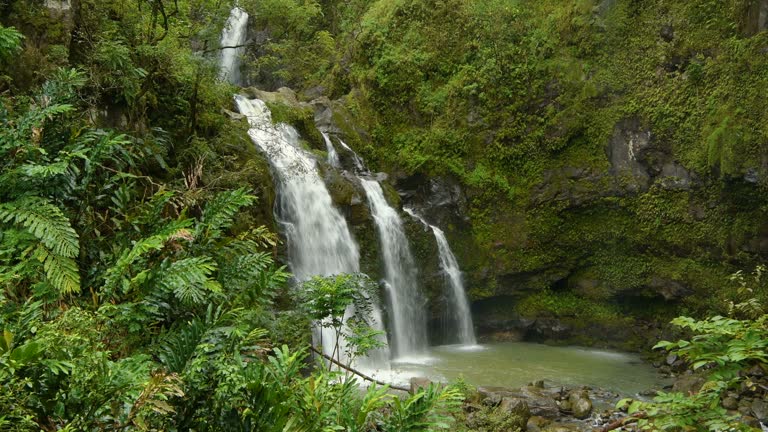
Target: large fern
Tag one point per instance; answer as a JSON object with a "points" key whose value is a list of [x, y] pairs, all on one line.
{"points": [[179, 348], [120, 276], [10, 41], [60, 271], [59, 243], [45, 221], [220, 211], [189, 279]]}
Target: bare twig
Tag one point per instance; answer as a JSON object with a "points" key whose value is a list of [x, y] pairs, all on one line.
{"points": [[226, 47], [622, 422], [357, 372]]}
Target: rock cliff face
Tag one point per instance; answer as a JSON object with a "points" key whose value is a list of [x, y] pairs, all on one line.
{"points": [[592, 253]]}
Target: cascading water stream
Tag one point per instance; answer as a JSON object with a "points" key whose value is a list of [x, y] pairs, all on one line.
{"points": [[358, 161], [318, 238], [333, 156], [406, 304], [458, 311], [233, 35]]}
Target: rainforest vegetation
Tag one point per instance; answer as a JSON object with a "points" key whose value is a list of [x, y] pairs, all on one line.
{"points": [[612, 157]]}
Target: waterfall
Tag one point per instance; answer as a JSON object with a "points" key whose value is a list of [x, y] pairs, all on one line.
{"points": [[458, 311], [357, 159], [233, 34], [318, 238], [407, 317], [333, 157]]}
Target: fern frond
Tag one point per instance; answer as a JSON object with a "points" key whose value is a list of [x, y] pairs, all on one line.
{"points": [[59, 242], [117, 275], [10, 41], [61, 271], [45, 171], [220, 211], [180, 347], [239, 269], [189, 279], [45, 221]]}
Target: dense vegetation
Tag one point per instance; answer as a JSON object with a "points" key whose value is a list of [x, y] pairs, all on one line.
{"points": [[138, 293], [530, 106], [140, 285]]}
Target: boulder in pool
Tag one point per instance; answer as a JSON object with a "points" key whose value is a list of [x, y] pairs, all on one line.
{"points": [[492, 396], [540, 402], [580, 403], [517, 407]]}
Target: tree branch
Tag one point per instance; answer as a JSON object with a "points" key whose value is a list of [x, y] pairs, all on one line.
{"points": [[623, 422], [226, 47], [356, 372]]}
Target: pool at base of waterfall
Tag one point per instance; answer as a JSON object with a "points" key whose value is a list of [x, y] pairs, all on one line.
{"points": [[515, 364]]}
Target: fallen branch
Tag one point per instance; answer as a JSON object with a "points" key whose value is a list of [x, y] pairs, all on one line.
{"points": [[623, 422], [356, 372]]}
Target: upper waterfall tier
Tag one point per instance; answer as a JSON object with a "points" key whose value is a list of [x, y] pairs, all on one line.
{"points": [[318, 238], [233, 35]]}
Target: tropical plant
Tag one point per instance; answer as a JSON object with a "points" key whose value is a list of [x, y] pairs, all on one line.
{"points": [[720, 348], [345, 304]]}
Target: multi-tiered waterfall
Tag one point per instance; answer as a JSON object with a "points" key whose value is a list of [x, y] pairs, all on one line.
{"points": [[459, 315], [232, 41], [407, 309], [318, 238]]}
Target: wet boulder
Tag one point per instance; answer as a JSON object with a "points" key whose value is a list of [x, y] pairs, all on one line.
{"points": [[580, 403], [541, 402], [517, 407]]}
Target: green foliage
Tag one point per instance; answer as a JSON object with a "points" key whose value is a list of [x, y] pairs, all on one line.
{"points": [[727, 343], [492, 419], [10, 39], [300, 51], [58, 240], [343, 303], [566, 304], [721, 348], [137, 290], [425, 410]]}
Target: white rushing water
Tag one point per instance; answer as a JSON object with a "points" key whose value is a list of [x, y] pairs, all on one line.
{"points": [[318, 238], [333, 156], [461, 316], [233, 35], [458, 312], [407, 318], [358, 161]]}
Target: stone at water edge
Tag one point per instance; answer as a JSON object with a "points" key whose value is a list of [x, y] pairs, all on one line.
{"points": [[689, 384], [557, 427], [517, 407], [492, 396], [581, 404], [760, 410], [730, 403], [418, 383], [537, 423], [540, 402]]}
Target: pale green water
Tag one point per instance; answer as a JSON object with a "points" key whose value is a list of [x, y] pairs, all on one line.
{"points": [[515, 364]]}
